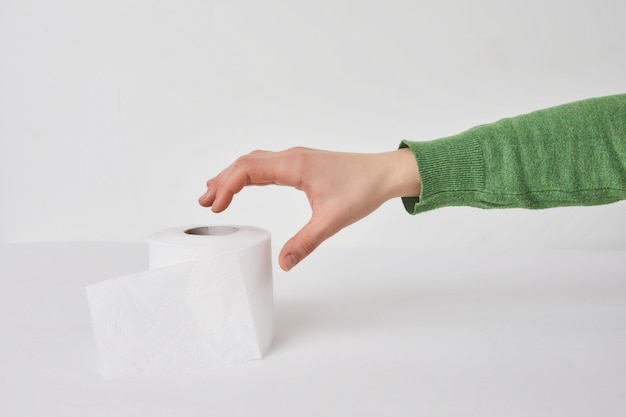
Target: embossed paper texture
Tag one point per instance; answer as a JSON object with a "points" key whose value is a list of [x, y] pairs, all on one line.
{"points": [[184, 316]]}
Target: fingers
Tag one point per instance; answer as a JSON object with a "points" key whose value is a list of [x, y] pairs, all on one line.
{"points": [[206, 199], [221, 189], [303, 243], [256, 168]]}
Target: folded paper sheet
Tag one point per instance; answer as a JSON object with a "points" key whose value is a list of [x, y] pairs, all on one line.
{"points": [[206, 300]]}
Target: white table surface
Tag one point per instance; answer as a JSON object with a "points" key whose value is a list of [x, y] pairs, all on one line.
{"points": [[358, 332]]}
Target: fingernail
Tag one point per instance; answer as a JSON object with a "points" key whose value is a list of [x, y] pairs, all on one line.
{"points": [[290, 261]]}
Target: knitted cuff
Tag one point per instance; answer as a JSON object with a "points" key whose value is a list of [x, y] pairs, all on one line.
{"points": [[452, 172]]}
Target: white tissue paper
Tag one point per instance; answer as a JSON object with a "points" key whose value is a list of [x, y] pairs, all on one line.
{"points": [[206, 300]]}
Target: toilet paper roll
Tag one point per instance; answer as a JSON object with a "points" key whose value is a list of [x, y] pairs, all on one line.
{"points": [[206, 300]]}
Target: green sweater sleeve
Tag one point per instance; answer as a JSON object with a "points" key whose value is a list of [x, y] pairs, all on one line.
{"points": [[574, 154]]}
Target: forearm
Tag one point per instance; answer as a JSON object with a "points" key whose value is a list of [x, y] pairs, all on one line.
{"points": [[573, 154]]}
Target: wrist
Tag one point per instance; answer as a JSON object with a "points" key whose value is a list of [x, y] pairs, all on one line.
{"points": [[405, 176]]}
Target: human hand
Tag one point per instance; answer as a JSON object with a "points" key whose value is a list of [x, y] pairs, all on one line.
{"points": [[341, 188]]}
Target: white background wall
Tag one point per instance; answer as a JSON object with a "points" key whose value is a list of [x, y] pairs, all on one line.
{"points": [[113, 114]]}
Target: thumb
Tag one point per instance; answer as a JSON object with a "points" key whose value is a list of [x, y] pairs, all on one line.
{"points": [[303, 243]]}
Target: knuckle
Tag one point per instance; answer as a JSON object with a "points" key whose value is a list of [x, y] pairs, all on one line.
{"points": [[298, 156], [307, 245], [242, 162], [297, 150]]}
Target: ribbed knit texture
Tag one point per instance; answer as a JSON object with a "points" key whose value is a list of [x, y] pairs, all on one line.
{"points": [[574, 154]]}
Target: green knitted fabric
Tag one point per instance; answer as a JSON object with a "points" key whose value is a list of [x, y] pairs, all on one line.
{"points": [[574, 154]]}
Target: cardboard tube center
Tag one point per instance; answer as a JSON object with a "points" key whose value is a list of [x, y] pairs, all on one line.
{"points": [[212, 230]]}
